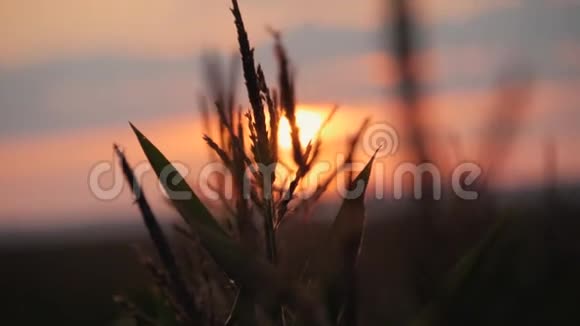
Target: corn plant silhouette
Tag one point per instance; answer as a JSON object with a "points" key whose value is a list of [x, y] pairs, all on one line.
{"points": [[242, 282], [232, 244]]}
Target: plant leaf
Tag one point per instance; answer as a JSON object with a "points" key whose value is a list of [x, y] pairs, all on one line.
{"points": [[183, 198], [339, 254], [258, 276], [178, 285], [253, 274]]}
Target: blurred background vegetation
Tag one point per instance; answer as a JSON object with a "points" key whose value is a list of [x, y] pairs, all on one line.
{"points": [[510, 257]]}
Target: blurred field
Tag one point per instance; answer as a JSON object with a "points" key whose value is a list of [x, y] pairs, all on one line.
{"points": [[68, 282], [531, 279]]}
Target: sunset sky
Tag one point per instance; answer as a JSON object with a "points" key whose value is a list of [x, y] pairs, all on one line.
{"points": [[72, 73]]}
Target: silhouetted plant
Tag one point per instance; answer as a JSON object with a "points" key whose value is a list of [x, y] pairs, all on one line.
{"points": [[231, 274]]}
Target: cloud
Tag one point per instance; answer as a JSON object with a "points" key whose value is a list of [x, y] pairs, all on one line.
{"points": [[470, 51], [46, 29], [54, 169], [441, 11], [86, 92], [529, 26], [308, 44], [82, 91], [333, 62]]}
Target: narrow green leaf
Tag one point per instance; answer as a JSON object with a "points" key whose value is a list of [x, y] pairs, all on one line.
{"points": [[340, 253], [184, 199], [178, 285]]}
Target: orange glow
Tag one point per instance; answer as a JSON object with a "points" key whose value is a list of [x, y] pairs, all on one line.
{"points": [[309, 123]]}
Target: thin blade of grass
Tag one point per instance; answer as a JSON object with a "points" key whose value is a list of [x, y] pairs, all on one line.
{"points": [[339, 254], [182, 196], [179, 288]]}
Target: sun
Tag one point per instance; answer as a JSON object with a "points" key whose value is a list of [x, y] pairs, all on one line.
{"points": [[307, 120]]}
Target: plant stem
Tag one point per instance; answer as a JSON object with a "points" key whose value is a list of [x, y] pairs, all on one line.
{"points": [[271, 250], [182, 295]]}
